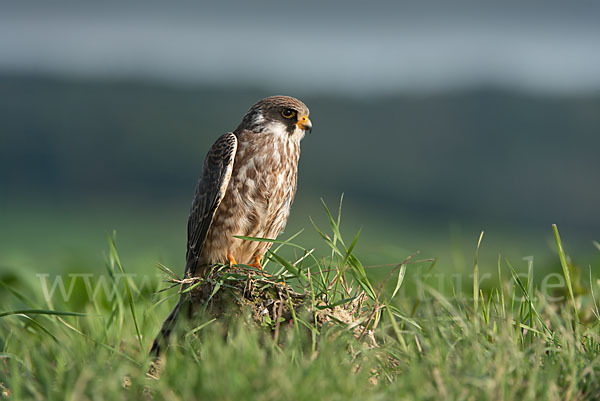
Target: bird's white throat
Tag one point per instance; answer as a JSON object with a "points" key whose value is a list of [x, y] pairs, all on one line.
{"points": [[280, 130]]}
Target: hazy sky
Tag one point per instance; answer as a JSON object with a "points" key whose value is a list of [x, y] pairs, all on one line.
{"points": [[355, 46]]}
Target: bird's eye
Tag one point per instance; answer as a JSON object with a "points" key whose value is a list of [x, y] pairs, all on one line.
{"points": [[288, 113]]}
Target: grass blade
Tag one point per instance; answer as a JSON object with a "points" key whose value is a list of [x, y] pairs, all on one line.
{"points": [[595, 309], [476, 274], [115, 257], [401, 274], [565, 267], [532, 307], [288, 266], [334, 226], [40, 312]]}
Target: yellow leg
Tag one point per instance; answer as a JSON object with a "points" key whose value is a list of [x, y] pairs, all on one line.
{"points": [[256, 263], [232, 261]]}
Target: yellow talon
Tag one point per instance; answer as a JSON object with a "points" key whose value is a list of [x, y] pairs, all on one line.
{"points": [[256, 263], [232, 261]]}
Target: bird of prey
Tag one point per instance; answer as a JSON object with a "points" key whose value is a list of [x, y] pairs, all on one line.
{"points": [[247, 186]]}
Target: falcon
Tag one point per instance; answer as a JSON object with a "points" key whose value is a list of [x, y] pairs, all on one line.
{"points": [[247, 187]]}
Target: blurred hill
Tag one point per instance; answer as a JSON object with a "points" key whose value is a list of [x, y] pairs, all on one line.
{"points": [[474, 154]]}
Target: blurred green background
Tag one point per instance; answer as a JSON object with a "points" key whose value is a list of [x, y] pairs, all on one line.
{"points": [[107, 111]]}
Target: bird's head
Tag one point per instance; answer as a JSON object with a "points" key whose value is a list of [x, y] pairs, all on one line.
{"points": [[278, 115]]}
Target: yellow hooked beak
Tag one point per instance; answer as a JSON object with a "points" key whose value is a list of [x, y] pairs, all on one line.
{"points": [[304, 123]]}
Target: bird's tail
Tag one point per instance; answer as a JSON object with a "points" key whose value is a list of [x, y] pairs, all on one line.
{"points": [[162, 338]]}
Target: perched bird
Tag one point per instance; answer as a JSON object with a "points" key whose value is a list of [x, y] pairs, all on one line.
{"points": [[247, 186]]}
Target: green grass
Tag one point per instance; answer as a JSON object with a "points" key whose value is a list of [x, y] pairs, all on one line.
{"points": [[510, 341]]}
